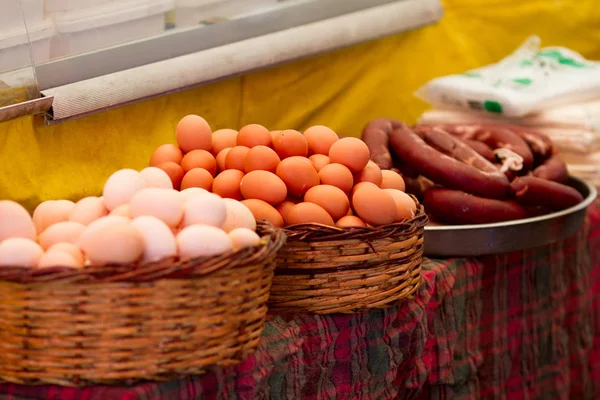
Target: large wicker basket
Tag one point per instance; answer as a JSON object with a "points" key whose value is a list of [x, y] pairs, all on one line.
{"points": [[326, 270], [123, 324]]}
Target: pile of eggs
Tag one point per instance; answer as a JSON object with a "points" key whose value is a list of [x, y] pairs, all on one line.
{"points": [[286, 177], [139, 218]]}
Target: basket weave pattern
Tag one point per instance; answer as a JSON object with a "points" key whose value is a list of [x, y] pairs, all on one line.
{"points": [[326, 270], [124, 324]]}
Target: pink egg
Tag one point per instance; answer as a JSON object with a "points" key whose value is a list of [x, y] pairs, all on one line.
{"points": [[117, 243], [63, 232], [59, 259], [159, 240], [123, 211], [69, 248], [15, 221], [121, 187], [51, 212], [163, 204], [20, 252], [95, 226], [156, 178], [87, 210]]}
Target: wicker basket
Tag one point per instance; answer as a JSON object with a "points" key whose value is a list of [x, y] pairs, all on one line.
{"points": [[325, 270], [123, 324]]}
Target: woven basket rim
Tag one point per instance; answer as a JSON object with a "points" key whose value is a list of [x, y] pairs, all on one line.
{"points": [[271, 241]]}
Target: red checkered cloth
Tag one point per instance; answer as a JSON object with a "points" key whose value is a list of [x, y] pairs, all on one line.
{"points": [[515, 326]]}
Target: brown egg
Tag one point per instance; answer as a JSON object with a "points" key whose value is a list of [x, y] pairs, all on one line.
{"points": [[193, 133], [235, 157], [331, 198], [337, 175], [370, 173], [261, 158], [174, 171], [199, 159], [220, 159], [350, 221], [405, 205], [320, 139], [299, 175], [227, 184], [254, 135], [197, 178], [305, 213], [222, 139], [273, 134], [262, 210], [62, 232], [290, 143], [392, 180], [164, 153], [284, 209], [88, 209], [360, 185], [263, 185], [374, 206], [319, 161], [351, 152]]}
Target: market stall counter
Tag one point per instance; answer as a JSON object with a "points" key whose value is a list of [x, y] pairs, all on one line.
{"points": [[518, 325]]}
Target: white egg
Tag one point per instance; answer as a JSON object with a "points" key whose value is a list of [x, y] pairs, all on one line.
{"points": [[237, 216], [202, 241], [121, 187], [15, 221], [204, 210], [159, 240], [87, 210], [163, 204], [156, 178], [20, 252], [190, 193], [243, 237]]}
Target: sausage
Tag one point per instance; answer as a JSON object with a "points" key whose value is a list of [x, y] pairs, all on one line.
{"points": [[533, 191], [457, 207], [540, 144], [376, 136], [554, 170], [505, 138], [483, 149], [480, 177]]}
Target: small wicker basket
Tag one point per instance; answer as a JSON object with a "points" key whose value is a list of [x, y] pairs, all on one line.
{"points": [[326, 270], [120, 324]]}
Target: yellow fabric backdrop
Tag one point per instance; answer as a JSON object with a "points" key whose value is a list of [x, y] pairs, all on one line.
{"points": [[343, 90]]}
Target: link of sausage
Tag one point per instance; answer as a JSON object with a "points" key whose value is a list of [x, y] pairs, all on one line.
{"points": [[457, 207], [533, 191], [447, 171], [554, 169], [376, 136]]}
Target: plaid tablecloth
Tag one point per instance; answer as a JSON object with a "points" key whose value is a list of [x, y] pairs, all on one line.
{"points": [[514, 326]]}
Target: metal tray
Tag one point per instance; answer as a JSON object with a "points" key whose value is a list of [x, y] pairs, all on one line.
{"points": [[505, 237]]}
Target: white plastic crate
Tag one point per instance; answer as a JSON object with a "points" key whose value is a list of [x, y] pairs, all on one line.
{"points": [[84, 30]]}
